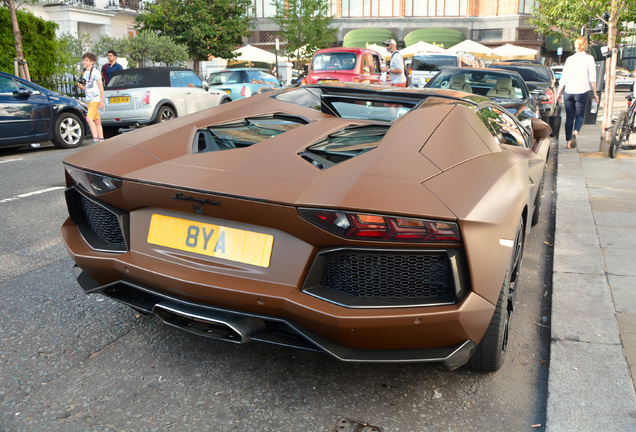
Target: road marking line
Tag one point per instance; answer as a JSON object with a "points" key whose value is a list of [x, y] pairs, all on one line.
{"points": [[10, 160], [26, 195]]}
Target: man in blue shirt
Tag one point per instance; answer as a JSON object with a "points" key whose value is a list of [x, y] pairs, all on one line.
{"points": [[110, 67]]}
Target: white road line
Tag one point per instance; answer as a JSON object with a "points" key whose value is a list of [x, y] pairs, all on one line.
{"points": [[26, 195], [10, 160]]}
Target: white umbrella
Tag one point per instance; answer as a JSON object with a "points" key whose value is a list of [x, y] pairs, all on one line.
{"points": [[250, 53], [380, 50], [509, 50], [469, 46], [420, 46]]}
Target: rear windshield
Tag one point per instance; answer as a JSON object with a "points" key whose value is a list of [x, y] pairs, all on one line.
{"points": [[334, 61], [530, 74], [226, 77], [427, 62]]}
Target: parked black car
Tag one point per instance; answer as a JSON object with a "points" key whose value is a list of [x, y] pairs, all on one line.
{"points": [[542, 82], [30, 113], [507, 88]]}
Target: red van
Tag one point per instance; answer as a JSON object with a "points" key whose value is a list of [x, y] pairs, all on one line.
{"points": [[359, 65]]}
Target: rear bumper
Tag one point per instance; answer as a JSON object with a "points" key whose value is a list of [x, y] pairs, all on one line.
{"points": [[242, 327]]}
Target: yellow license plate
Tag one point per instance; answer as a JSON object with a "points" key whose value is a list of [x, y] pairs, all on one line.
{"points": [[119, 99], [328, 80], [212, 240], [228, 91]]}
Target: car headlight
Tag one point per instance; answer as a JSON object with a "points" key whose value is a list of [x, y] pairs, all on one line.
{"points": [[362, 226], [92, 183]]}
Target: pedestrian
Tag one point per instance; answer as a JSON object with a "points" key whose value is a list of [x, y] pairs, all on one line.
{"points": [[577, 79], [91, 83], [396, 65], [110, 67]]}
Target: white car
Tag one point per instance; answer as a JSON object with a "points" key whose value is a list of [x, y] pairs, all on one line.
{"points": [[624, 80], [142, 96]]}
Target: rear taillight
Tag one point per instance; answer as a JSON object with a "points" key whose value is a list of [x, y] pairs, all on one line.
{"points": [[245, 91], [146, 98], [362, 226], [550, 97]]}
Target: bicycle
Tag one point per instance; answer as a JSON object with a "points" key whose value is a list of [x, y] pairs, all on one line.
{"points": [[623, 128]]}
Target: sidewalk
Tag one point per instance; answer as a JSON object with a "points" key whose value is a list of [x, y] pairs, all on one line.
{"points": [[593, 349]]}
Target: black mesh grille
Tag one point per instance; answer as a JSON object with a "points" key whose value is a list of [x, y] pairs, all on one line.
{"points": [[428, 277], [103, 222]]}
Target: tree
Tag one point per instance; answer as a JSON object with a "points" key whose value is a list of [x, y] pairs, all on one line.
{"points": [[148, 46], [567, 17], [206, 28], [304, 23], [37, 44]]}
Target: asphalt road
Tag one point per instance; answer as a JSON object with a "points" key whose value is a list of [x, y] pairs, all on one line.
{"points": [[72, 362]]}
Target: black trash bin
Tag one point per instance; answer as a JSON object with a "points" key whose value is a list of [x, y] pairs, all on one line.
{"points": [[590, 117]]}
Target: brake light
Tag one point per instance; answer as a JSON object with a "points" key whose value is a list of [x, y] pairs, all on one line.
{"points": [[362, 226], [245, 91], [303, 81], [550, 94], [146, 98]]}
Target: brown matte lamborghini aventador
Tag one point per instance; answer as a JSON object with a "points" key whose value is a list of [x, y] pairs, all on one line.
{"points": [[372, 223]]}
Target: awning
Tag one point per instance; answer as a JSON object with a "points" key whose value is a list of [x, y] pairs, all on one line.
{"points": [[360, 38], [436, 36], [554, 42]]}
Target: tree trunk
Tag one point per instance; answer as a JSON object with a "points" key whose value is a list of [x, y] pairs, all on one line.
{"points": [[610, 78], [21, 68]]}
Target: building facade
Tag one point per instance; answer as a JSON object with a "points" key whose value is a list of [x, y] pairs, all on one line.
{"points": [[490, 22]]}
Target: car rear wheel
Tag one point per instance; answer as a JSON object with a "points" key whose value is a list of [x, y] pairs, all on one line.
{"points": [[69, 131], [165, 113], [491, 351]]}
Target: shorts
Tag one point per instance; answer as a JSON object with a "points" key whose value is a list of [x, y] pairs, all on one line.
{"points": [[93, 110]]}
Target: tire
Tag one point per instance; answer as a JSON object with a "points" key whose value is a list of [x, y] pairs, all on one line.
{"points": [[165, 113], [491, 351], [618, 134], [69, 131], [555, 125], [536, 213], [110, 132]]}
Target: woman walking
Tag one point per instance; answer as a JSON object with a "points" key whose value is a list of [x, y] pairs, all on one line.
{"points": [[577, 79]]}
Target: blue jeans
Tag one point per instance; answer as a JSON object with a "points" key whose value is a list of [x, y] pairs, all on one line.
{"points": [[574, 112]]}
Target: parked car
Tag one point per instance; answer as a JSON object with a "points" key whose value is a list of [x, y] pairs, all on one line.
{"points": [[557, 70], [542, 82], [357, 65], [375, 224], [505, 87], [30, 113], [240, 83], [426, 64], [624, 80], [142, 96]]}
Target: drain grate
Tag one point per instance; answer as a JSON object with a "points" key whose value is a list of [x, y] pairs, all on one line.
{"points": [[348, 425]]}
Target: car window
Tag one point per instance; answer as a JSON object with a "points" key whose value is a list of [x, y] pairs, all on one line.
{"points": [[184, 79], [504, 128], [7, 85], [429, 62], [481, 82], [254, 77], [334, 61], [269, 79]]}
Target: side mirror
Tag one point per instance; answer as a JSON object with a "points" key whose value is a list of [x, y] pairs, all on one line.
{"points": [[540, 129], [23, 93], [205, 85]]}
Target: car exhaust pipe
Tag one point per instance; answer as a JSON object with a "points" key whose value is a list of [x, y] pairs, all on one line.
{"points": [[215, 325]]}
